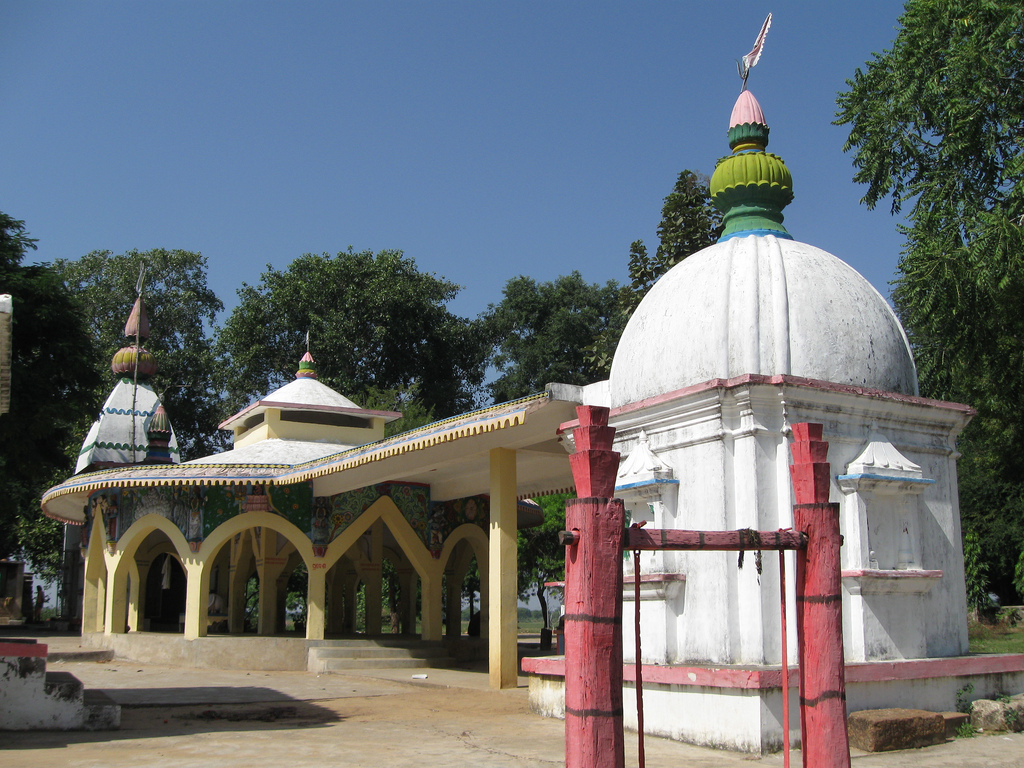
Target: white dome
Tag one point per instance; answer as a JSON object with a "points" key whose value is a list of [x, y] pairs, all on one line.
{"points": [[761, 305]]}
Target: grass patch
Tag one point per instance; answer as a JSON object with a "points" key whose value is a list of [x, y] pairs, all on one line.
{"points": [[1001, 636]]}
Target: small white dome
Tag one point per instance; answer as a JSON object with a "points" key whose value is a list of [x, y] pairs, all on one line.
{"points": [[761, 305]]}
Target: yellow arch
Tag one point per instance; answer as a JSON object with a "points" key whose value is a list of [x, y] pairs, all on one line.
{"points": [[477, 539], [385, 509], [226, 530], [145, 525]]}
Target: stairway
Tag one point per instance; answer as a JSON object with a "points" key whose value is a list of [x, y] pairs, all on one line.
{"points": [[33, 699], [364, 654]]}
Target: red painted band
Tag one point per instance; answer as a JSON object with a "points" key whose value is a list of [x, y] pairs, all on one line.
{"points": [[822, 698], [593, 619], [584, 713]]}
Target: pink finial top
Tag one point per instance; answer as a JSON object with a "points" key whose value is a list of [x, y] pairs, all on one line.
{"points": [[746, 110], [138, 321]]}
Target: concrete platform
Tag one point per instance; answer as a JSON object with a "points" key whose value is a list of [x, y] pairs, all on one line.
{"points": [[174, 716]]}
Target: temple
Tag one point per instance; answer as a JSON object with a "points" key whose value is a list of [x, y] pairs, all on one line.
{"points": [[178, 549], [727, 351]]}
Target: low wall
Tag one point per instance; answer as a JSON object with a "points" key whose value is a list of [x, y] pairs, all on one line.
{"points": [[740, 708], [269, 654]]}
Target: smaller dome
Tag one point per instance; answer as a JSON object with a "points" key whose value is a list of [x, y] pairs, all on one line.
{"points": [[127, 358]]}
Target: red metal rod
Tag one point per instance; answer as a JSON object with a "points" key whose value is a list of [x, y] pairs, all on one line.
{"points": [[641, 760], [785, 662], [715, 541]]}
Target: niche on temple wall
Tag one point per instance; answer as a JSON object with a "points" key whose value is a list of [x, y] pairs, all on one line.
{"points": [[884, 573], [882, 522], [648, 488]]}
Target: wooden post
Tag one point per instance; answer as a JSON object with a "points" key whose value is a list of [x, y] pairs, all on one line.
{"points": [[819, 608], [593, 600]]}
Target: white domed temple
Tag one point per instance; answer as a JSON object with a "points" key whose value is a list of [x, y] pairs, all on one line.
{"points": [[727, 351]]}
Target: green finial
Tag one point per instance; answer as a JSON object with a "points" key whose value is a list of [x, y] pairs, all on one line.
{"points": [[751, 187]]}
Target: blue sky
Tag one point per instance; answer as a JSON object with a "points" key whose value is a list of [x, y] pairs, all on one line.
{"points": [[485, 140]]}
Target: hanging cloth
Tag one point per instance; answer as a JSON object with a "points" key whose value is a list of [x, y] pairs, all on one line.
{"points": [[165, 573]]}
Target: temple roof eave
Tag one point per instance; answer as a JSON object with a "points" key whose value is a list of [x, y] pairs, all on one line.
{"points": [[66, 501]]}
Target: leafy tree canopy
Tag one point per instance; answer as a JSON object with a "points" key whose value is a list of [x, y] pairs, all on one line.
{"points": [[541, 556], [541, 332], [52, 386], [375, 323], [182, 311], [935, 125]]}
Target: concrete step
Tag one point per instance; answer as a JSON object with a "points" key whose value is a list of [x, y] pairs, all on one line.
{"points": [[335, 656], [102, 713], [63, 685], [370, 652], [341, 665]]}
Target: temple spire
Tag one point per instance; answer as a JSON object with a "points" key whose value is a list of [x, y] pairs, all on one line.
{"points": [[751, 187]]}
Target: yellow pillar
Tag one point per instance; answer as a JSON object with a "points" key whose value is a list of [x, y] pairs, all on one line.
{"points": [[430, 623], [373, 576], [133, 595], [503, 635], [197, 595], [94, 589], [116, 603], [316, 600]]}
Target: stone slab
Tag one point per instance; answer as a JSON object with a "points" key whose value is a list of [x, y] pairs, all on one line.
{"points": [[953, 722], [882, 730]]}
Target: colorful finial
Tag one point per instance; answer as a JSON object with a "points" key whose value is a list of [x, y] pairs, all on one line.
{"points": [[307, 367], [751, 187], [159, 434], [747, 62], [138, 321]]}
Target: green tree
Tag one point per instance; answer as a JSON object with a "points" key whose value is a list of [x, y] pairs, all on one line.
{"points": [[935, 125], [541, 556], [541, 332], [182, 311], [52, 383], [375, 323], [689, 223]]}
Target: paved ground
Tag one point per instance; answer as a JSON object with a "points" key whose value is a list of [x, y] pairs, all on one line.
{"points": [[382, 719]]}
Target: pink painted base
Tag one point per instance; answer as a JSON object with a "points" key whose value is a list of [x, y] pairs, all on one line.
{"points": [[762, 678]]}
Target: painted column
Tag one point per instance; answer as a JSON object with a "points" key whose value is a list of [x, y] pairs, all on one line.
{"points": [[373, 575], [593, 600], [116, 603], [137, 598], [819, 607], [503, 619], [93, 590], [430, 626], [196, 598], [236, 599], [316, 600], [453, 605]]}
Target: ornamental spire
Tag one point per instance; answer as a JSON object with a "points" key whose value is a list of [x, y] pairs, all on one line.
{"points": [[751, 187], [134, 361], [307, 367]]}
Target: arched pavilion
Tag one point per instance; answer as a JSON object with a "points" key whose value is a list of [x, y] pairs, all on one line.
{"points": [[310, 481]]}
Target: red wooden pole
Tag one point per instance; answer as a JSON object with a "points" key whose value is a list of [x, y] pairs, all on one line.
{"points": [[819, 609], [593, 601]]}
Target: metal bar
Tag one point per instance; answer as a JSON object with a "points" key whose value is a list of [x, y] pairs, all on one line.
{"points": [[720, 541]]}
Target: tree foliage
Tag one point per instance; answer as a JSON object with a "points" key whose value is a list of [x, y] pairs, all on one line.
{"points": [[375, 323], [689, 223], [182, 311], [935, 125], [52, 383], [541, 556], [541, 332]]}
